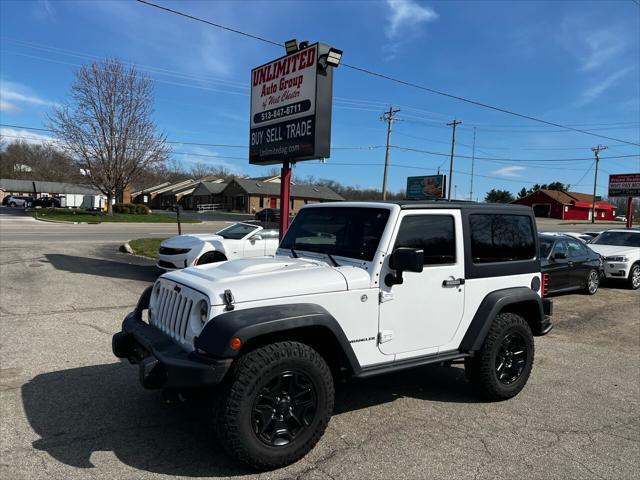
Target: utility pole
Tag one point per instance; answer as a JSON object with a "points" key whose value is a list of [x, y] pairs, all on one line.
{"points": [[596, 151], [453, 124], [389, 118], [473, 159]]}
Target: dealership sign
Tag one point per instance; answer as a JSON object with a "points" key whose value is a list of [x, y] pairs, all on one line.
{"points": [[426, 187], [624, 185], [291, 108]]}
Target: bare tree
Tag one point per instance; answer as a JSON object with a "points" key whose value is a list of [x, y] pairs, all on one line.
{"points": [[107, 127]]}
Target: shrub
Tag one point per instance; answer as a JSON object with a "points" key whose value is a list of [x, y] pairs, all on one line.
{"points": [[130, 208], [142, 209]]}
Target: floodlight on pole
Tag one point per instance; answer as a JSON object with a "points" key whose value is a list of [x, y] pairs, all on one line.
{"points": [[291, 46], [333, 57]]}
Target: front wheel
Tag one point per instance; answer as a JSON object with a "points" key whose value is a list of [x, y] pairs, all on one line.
{"points": [[276, 406], [634, 277], [12, 204], [593, 282], [500, 369]]}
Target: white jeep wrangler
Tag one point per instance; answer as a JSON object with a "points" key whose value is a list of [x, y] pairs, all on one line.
{"points": [[354, 290]]}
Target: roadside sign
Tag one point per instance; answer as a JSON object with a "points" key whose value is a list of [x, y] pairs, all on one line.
{"points": [[291, 108], [426, 187], [624, 185]]}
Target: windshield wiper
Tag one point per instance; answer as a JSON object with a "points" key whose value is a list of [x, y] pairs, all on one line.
{"points": [[293, 252], [333, 260]]}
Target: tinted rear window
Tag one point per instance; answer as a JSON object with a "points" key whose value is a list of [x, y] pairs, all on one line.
{"points": [[501, 238]]}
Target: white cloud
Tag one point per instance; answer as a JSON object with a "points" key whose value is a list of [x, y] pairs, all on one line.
{"points": [[10, 135], [405, 14], [512, 171], [594, 46], [43, 10], [594, 91], [12, 93]]}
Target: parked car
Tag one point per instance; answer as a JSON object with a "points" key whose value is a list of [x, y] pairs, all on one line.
{"points": [[355, 290], [47, 202], [583, 237], [19, 201], [621, 218], [621, 252], [568, 264], [236, 241], [268, 215]]}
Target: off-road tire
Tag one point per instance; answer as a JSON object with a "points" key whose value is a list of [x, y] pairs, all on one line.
{"points": [[210, 257], [233, 422], [481, 369], [635, 270], [589, 288]]}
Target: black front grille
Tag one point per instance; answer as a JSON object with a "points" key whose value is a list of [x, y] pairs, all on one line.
{"points": [[173, 251], [164, 263]]}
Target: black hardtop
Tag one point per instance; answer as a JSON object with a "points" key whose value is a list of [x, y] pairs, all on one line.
{"points": [[462, 205]]}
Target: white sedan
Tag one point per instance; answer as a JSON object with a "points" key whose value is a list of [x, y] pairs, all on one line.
{"points": [[236, 241]]}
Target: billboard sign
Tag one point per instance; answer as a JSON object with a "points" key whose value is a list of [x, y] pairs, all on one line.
{"points": [[426, 187], [624, 185], [291, 108]]}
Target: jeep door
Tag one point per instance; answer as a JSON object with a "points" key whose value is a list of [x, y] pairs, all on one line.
{"points": [[425, 310]]}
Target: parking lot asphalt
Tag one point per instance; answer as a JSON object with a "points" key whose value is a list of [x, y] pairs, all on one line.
{"points": [[69, 410]]}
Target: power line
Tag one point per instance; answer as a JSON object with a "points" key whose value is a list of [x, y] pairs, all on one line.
{"points": [[392, 79], [362, 147]]}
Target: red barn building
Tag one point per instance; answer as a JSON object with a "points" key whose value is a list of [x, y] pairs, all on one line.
{"points": [[566, 205]]}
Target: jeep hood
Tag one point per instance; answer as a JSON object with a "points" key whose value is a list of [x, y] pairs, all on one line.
{"points": [[263, 278], [190, 241]]}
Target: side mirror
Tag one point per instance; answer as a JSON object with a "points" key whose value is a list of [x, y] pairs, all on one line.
{"points": [[559, 256], [256, 237], [404, 259]]}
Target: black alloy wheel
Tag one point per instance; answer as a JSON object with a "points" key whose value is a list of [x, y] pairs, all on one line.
{"points": [[593, 282], [511, 358], [285, 407]]}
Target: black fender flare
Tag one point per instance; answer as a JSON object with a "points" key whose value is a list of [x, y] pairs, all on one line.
{"points": [[251, 323], [491, 305]]}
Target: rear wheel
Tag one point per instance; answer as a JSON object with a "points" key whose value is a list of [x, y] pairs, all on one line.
{"points": [[634, 277], [502, 366], [276, 405], [593, 282]]}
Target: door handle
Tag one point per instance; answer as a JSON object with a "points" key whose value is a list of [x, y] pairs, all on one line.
{"points": [[453, 283]]}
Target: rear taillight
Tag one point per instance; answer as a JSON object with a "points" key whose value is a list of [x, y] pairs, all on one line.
{"points": [[545, 284]]}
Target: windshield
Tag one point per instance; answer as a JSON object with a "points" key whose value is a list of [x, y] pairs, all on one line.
{"points": [[237, 231], [619, 239], [545, 247], [352, 232]]}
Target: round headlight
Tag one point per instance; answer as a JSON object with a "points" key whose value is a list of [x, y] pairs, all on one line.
{"points": [[203, 311]]}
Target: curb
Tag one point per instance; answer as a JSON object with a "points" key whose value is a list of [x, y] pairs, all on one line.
{"points": [[126, 248], [65, 222]]}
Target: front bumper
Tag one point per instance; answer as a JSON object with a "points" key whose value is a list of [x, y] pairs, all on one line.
{"points": [[616, 269], [174, 262], [161, 362]]}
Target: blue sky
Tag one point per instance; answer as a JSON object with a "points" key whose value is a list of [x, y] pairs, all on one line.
{"points": [[573, 62]]}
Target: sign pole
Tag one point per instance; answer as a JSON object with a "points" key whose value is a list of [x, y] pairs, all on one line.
{"points": [[285, 183], [629, 212]]}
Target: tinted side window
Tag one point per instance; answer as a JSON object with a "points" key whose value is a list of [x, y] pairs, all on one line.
{"points": [[501, 238], [435, 234], [576, 249], [560, 247]]}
